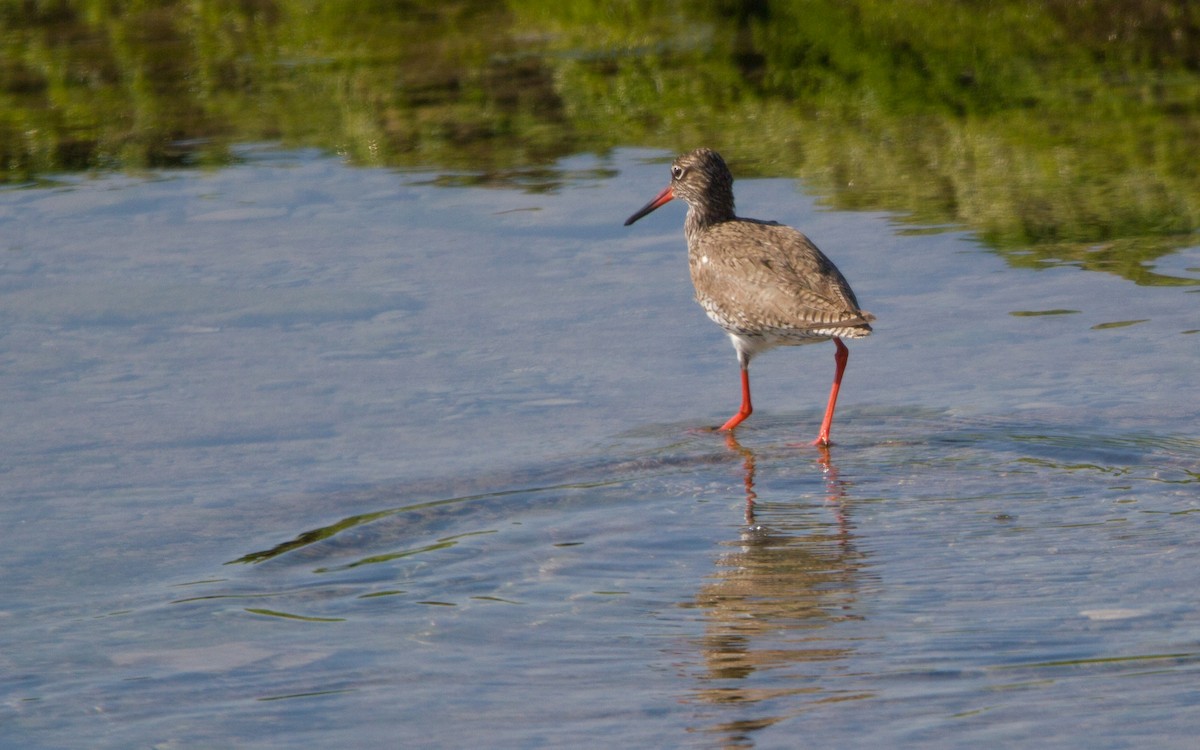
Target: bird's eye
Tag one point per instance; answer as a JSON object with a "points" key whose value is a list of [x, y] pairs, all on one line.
{"points": [[677, 172]]}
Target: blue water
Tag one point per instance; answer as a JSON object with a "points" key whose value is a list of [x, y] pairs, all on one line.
{"points": [[298, 454]]}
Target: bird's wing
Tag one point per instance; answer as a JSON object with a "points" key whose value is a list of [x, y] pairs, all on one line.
{"points": [[774, 274]]}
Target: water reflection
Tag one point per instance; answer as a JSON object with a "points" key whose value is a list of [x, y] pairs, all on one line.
{"points": [[1074, 161], [791, 573]]}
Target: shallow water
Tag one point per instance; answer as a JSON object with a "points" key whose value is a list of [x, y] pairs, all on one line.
{"points": [[304, 454]]}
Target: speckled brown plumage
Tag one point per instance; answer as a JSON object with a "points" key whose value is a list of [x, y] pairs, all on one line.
{"points": [[766, 284]]}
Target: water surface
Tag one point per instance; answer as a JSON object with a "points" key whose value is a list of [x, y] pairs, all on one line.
{"points": [[298, 453]]}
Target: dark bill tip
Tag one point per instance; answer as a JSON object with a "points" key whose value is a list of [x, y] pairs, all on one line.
{"points": [[658, 200]]}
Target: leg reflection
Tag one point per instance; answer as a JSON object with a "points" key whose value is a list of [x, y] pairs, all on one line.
{"points": [[748, 469]]}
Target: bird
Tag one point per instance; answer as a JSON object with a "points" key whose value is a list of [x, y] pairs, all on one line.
{"points": [[765, 283]]}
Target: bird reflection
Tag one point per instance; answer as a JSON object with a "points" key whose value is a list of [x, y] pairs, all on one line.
{"points": [[768, 605]]}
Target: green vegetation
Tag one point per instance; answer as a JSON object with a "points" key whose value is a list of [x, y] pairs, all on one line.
{"points": [[1060, 132]]}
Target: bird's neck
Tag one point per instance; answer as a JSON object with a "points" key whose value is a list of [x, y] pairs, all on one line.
{"points": [[701, 217]]}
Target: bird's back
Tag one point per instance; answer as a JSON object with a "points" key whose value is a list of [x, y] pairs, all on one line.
{"points": [[766, 279]]}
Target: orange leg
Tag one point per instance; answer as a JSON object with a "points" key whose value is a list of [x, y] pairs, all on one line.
{"points": [[839, 357], [746, 409]]}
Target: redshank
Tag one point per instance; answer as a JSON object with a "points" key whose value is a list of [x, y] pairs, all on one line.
{"points": [[765, 283]]}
